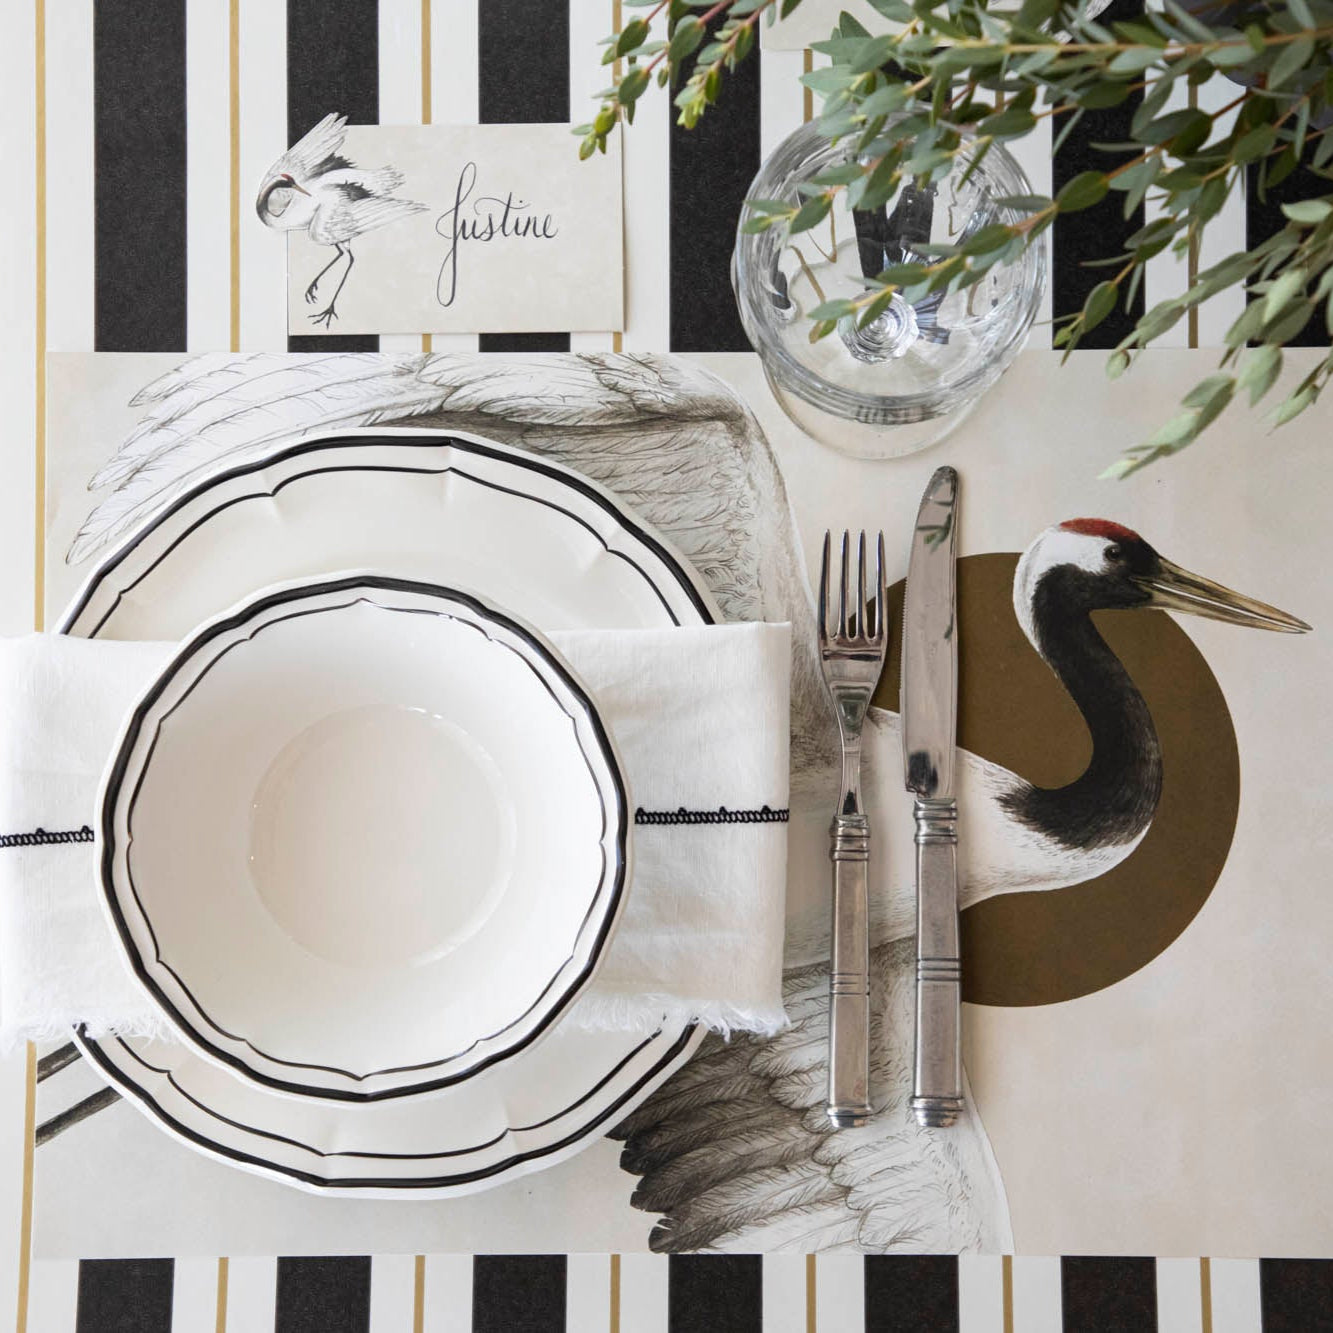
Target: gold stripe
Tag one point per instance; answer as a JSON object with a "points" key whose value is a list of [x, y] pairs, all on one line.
{"points": [[426, 71], [220, 1317], [811, 1319], [1205, 1293], [29, 1130], [613, 1315], [617, 18], [234, 122], [39, 552], [807, 96], [1191, 274], [1007, 1291], [419, 1263]]}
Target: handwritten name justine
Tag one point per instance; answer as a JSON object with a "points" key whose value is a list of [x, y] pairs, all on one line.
{"points": [[488, 218]]}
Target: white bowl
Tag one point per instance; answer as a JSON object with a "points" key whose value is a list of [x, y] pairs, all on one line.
{"points": [[363, 837]]}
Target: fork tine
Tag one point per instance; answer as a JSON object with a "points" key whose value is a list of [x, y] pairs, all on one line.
{"points": [[823, 590], [844, 589], [862, 627], [881, 594]]}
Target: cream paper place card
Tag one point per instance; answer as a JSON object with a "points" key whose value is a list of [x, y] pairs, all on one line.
{"points": [[447, 229]]}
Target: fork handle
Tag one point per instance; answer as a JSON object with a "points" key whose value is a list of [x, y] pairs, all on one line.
{"points": [[849, 983]]}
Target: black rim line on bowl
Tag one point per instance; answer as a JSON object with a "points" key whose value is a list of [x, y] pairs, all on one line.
{"points": [[121, 764], [115, 1076], [560, 475]]}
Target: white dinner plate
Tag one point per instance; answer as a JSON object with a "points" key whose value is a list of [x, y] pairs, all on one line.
{"points": [[363, 836], [549, 545]]}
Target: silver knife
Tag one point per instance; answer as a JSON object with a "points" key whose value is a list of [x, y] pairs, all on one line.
{"points": [[929, 727]]}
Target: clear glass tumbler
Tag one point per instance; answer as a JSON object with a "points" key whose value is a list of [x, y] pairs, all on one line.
{"points": [[908, 379]]}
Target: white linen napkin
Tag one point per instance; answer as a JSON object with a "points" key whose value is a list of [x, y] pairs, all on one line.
{"points": [[700, 716]]}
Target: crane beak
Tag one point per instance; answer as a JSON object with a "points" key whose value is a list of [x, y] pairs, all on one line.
{"points": [[300, 189], [1174, 589]]}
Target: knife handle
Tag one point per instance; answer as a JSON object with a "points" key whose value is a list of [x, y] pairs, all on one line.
{"points": [[937, 1092], [849, 983]]}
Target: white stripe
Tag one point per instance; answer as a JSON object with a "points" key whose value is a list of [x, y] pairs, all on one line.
{"points": [[263, 140], [207, 175], [781, 97], [643, 1293], [400, 62], [1235, 1290], [252, 1293], [1037, 1304], [589, 22], [53, 1296], [1033, 153], [1165, 275], [18, 386], [1225, 234], [69, 177], [447, 1307], [194, 1296], [588, 1293], [455, 99], [840, 1293], [392, 1277], [647, 147], [980, 1294], [1179, 1307], [784, 1293], [400, 97]]}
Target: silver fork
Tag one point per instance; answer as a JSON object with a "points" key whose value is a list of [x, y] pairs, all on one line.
{"points": [[851, 655]]}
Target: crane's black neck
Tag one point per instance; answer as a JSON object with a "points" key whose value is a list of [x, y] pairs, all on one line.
{"points": [[1114, 800]]}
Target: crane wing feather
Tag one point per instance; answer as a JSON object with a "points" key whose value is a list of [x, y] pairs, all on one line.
{"points": [[306, 156], [728, 1167]]}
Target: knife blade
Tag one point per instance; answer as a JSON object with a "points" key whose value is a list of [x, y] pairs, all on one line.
{"points": [[929, 730]]}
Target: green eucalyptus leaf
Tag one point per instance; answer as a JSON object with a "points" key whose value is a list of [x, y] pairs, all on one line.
{"points": [[685, 40], [1101, 301], [1291, 58], [632, 85], [810, 214], [1260, 370], [1294, 406], [1085, 190], [632, 36], [1308, 212], [1291, 284]]}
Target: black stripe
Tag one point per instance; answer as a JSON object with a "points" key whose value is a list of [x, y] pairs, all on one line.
{"points": [[712, 166], [1296, 1295], [1263, 218], [1097, 232], [332, 65], [715, 1293], [911, 1293], [139, 175], [323, 1296], [518, 1293], [125, 1296], [1109, 1294], [523, 79]]}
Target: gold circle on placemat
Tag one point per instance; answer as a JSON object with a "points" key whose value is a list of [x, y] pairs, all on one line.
{"points": [[1041, 948]]}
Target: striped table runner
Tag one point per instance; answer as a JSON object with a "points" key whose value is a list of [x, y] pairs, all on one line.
{"points": [[136, 133], [681, 1294]]}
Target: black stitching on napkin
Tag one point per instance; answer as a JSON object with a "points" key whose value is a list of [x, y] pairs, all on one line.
{"points": [[41, 838], [764, 815]]}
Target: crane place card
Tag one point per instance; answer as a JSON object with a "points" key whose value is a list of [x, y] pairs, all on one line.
{"points": [[447, 229]]}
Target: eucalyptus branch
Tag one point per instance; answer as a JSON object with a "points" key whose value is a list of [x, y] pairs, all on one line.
{"points": [[948, 79]]}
